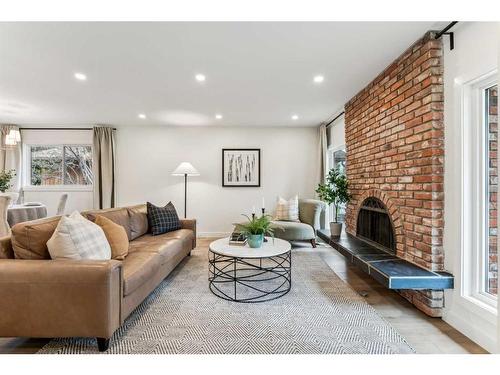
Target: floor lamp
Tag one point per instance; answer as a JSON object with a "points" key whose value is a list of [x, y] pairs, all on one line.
{"points": [[185, 169]]}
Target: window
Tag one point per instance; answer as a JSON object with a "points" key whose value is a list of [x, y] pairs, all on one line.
{"points": [[55, 165], [480, 191], [491, 185], [337, 159]]}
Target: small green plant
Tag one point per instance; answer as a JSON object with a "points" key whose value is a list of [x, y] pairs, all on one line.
{"points": [[257, 225], [335, 190], [5, 179]]}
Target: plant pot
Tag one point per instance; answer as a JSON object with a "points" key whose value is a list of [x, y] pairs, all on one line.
{"points": [[14, 196], [335, 229], [255, 240]]}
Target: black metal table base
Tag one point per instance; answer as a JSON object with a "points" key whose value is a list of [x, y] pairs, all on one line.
{"points": [[249, 280]]}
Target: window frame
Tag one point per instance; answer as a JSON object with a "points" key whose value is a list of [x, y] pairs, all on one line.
{"points": [[27, 186], [330, 152], [475, 226]]}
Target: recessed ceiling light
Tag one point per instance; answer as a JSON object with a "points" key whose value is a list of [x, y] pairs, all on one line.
{"points": [[200, 77], [218, 116], [318, 79], [80, 76], [141, 116], [295, 117]]}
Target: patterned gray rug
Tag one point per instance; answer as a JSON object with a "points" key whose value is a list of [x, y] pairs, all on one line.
{"points": [[321, 314]]}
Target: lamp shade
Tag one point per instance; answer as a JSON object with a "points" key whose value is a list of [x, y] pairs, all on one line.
{"points": [[185, 168]]}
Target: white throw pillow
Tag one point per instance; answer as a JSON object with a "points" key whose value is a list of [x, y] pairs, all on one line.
{"points": [[287, 210], [78, 238]]}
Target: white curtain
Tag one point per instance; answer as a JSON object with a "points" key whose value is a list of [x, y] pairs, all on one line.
{"points": [[104, 167], [11, 156]]}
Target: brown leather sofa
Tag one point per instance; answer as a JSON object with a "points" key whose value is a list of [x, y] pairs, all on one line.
{"points": [[40, 297]]}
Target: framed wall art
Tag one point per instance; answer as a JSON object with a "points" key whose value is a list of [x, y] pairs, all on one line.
{"points": [[241, 167]]}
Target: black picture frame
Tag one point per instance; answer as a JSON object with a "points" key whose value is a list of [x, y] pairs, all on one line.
{"points": [[226, 182]]}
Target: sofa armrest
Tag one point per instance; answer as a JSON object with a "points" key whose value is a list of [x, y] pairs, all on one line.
{"points": [[312, 212], [189, 224], [60, 298]]}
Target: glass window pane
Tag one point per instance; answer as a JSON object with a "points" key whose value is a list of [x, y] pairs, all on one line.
{"points": [[339, 159], [78, 165], [491, 117], [46, 165]]}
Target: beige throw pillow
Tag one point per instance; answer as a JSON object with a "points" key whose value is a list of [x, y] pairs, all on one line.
{"points": [[287, 210], [78, 238], [116, 236]]}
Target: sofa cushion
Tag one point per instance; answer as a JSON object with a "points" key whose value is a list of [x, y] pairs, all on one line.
{"points": [[293, 231], [162, 219], [29, 239], [138, 216], [116, 236], [78, 238], [138, 268], [117, 215], [166, 248]]}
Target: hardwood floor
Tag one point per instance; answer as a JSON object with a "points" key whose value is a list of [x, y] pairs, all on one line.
{"points": [[425, 334]]}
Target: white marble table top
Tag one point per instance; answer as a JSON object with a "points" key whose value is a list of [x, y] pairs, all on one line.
{"points": [[271, 248]]}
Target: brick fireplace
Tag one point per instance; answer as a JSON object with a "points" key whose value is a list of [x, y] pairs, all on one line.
{"points": [[395, 155]]}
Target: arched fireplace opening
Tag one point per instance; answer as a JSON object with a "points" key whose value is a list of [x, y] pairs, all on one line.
{"points": [[375, 226]]}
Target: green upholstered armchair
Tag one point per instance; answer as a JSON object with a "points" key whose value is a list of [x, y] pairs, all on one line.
{"points": [[311, 218]]}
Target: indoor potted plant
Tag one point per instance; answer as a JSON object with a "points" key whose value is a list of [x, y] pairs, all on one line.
{"points": [[334, 191], [5, 184], [255, 229]]}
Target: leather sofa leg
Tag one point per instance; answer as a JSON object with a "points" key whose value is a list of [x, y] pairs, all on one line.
{"points": [[102, 344], [313, 242], [189, 254]]}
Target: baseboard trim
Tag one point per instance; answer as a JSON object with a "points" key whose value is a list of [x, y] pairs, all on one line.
{"points": [[482, 334]]}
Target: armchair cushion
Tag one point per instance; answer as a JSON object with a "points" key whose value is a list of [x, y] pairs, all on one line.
{"points": [[293, 231]]}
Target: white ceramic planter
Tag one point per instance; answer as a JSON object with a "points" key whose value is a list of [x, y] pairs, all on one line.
{"points": [[335, 229]]}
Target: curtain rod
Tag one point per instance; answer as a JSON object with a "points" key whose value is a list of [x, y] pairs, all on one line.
{"points": [[449, 33], [442, 32], [58, 128], [336, 117]]}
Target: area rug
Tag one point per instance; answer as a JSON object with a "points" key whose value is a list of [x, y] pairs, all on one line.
{"points": [[320, 315]]}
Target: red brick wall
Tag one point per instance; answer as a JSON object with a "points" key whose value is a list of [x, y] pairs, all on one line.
{"points": [[395, 151]]}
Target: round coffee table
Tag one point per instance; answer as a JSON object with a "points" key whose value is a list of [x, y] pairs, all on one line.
{"points": [[242, 274]]}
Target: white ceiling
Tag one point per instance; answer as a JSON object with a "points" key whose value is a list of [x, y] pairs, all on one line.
{"points": [[258, 74]]}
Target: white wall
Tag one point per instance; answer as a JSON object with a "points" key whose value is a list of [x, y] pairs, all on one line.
{"points": [[475, 53], [79, 199], [147, 155]]}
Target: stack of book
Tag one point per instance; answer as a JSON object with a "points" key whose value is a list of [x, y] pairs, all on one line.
{"points": [[237, 238]]}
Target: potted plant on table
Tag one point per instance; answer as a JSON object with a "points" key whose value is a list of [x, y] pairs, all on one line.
{"points": [[5, 184], [335, 191], [255, 229]]}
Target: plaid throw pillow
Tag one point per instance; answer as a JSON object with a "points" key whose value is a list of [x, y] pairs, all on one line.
{"points": [[287, 210], [162, 219], [78, 238]]}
